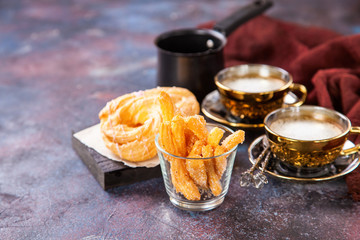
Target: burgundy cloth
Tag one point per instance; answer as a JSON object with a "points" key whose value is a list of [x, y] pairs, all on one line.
{"points": [[327, 63]]}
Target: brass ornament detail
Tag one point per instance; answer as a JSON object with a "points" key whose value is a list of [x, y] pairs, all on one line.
{"points": [[305, 159], [243, 109]]}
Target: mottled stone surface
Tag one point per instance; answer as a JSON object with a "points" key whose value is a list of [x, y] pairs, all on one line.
{"points": [[61, 61]]}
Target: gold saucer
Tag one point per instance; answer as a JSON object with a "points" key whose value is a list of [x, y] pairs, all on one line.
{"points": [[342, 165], [213, 109]]}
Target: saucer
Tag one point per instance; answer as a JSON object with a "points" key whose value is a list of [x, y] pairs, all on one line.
{"points": [[213, 109], [342, 165]]}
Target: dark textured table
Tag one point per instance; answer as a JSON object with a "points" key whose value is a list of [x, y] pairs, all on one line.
{"points": [[61, 61]]}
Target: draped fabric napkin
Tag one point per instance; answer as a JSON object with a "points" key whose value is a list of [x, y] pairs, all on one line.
{"points": [[327, 63]]}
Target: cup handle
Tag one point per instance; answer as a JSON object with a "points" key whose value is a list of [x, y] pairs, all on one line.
{"points": [[353, 150], [301, 93]]}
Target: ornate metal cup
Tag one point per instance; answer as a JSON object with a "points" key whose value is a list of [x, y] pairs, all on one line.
{"points": [[251, 91], [308, 136]]}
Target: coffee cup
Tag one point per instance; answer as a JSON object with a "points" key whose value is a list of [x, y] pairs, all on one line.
{"points": [[308, 136], [251, 91]]}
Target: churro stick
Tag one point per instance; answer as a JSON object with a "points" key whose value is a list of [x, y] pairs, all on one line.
{"points": [[178, 133], [234, 139], [166, 142], [213, 179], [174, 166], [220, 162], [166, 138], [184, 183], [197, 124], [196, 168], [179, 175], [190, 139], [166, 106], [215, 136], [196, 149], [229, 143]]}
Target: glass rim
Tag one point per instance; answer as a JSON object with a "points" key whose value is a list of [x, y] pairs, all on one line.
{"points": [[193, 158]]}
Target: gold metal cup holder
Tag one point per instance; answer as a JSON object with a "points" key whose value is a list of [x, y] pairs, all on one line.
{"points": [[342, 165]]}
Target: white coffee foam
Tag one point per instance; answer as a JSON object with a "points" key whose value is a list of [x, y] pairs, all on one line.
{"points": [[254, 85], [305, 129]]}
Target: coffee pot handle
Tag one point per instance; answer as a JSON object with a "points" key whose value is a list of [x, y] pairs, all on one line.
{"points": [[297, 95], [353, 150], [242, 15]]}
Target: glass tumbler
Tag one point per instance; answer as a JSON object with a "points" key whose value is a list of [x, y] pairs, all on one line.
{"points": [[175, 171]]}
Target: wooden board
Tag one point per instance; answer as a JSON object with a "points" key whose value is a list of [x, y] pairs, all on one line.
{"points": [[109, 173]]}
